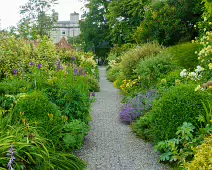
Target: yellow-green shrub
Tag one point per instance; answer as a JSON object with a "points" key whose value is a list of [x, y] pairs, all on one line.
{"points": [[203, 156], [13, 55], [132, 58]]}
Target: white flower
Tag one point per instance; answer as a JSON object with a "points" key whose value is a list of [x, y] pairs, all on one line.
{"points": [[192, 75], [183, 73], [199, 69]]}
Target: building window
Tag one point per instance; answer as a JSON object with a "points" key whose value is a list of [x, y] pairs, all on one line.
{"points": [[63, 32]]}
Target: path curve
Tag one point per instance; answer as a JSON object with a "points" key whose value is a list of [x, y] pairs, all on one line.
{"points": [[111, 145]]}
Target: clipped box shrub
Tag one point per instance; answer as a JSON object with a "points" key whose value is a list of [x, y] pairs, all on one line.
{"points": [[151, 70], [184, 55], [179, 104], [35, 107], [202, 157], [134, 56]]}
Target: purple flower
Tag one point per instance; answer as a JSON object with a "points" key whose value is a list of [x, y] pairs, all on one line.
{"points": [[93, 94], [59, 67], [15, 72], [11, 154], [31, 64], [73, 58], [75, 71], [137, 106], [39, 66]]}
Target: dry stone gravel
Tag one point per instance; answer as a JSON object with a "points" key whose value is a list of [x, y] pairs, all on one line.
{"points": [[111, 145]]}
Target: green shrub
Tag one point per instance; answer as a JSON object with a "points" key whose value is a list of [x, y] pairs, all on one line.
{"points": [[74, 133], [113, 73], [184, 55], [119, 50], [151, 70], [132, 58], [35, 107], [171, 79], [179, 104], [71, 95], [14, 53], [142, 127], [93, 84]]}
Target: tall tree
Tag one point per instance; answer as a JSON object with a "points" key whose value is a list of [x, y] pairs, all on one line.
{"points": [[94, 28], [170, 21], [124, 16], [38, 18]]}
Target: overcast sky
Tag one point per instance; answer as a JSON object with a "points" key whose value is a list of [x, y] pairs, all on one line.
{"points": [[9, 10]]}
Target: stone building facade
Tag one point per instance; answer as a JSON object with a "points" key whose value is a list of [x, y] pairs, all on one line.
{"points": [[66, 28]]}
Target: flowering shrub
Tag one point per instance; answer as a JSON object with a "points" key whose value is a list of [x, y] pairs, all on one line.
{"points": [[137, 106], [203, 72], [14, 54]]}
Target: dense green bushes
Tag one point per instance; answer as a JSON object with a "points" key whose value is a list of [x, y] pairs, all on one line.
{"points": [[35, 107], [151, 70], [180, 104], [45, 104], [184, 55], [132, 58]]}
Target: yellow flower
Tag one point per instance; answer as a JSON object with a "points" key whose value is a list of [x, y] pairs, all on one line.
{"points": [[198, 88], [210, 66]]}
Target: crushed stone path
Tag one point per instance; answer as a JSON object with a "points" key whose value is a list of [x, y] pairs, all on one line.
{"points": [[111, 145]]}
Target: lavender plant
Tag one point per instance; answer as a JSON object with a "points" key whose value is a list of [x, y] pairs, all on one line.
{"points": [[137, 106], [11, 154]]}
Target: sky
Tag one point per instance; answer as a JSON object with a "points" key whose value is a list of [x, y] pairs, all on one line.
{"points": [[9, 10]]}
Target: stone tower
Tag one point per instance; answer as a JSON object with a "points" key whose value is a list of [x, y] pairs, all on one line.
{"points": [[74, 18]]}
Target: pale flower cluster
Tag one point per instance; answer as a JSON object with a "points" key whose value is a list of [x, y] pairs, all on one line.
{"points": [[113, 63], [89, 60], [192, 75]]}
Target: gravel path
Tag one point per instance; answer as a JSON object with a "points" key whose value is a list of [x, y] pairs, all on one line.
{"points": [[111, 145]]}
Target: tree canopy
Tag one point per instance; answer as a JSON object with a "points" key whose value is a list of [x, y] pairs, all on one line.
{"points": [[38, 18]]}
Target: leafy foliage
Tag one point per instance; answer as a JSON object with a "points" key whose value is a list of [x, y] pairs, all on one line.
{"points": [[184, 55], [35, 19], [133, 57], [32, 151], [169, 22], [202, 157], [74, 134], [181, 103], [94, 29], [123, 17], [35, 107], [152, 69]]}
